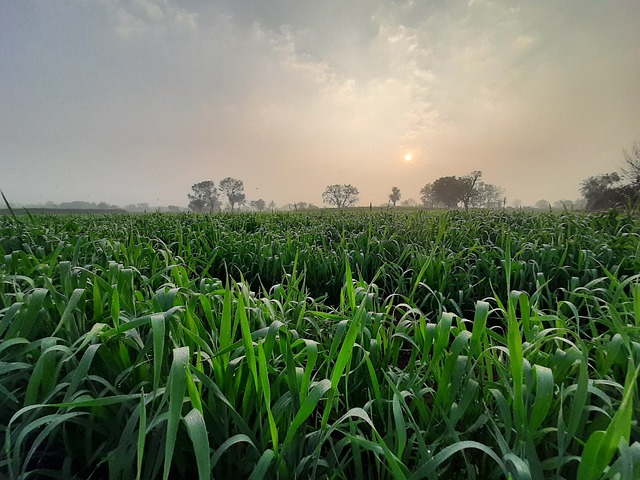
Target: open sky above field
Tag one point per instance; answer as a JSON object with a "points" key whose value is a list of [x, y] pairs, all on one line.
{"points": [[130, 101]]}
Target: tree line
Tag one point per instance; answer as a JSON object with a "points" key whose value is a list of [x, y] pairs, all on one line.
{"points": [[447, 192], [609, 190], [467, 190], [600, 192]]}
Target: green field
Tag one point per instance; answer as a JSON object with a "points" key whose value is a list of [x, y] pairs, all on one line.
{"points": [[320, 345]]}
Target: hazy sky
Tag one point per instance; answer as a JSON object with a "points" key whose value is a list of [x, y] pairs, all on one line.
{"points": [[130, 101]]}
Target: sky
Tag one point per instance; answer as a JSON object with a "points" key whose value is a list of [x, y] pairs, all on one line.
{"points": [[130, 101]]}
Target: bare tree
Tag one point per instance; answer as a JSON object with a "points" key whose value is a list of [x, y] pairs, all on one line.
{"points": [[340, 195], [204, 196], [631, 167], [234, 190], [395, 195]]}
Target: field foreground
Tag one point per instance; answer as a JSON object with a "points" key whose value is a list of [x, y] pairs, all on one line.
{"points": [[325, 345]]}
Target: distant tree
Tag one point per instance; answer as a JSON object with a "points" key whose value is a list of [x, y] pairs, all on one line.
{"points": [[204, 196], [488, 196], [426, 195], [579, 204], [542, 205], [272, 205], [304, 206], [197, 205], [612, 189], [78, 205], [517, 203], [449, 191], [409, 202], [259, 204], [602, 191], [563, 205], [340, 195], [470, 190], [137, 207], [395, 195], [631, 165], [234, 190], [174, 208]]}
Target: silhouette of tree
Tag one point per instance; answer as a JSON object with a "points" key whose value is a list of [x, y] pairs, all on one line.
{"points": [[426, 195], [395, 195], [448, 191], [542, 205], [204, 196], [470, 190], [611, 189], [340, 195], [602, 191], [631, 166], [259, 204], [234, 190]]}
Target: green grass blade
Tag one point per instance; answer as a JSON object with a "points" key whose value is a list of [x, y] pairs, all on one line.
{"points": [[175, 391], [197, 430]]}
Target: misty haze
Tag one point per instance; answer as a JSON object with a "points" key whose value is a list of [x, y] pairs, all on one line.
{"points": [[133, 102]]}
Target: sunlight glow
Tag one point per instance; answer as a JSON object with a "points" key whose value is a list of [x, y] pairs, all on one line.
{"points": [[408, 157]]}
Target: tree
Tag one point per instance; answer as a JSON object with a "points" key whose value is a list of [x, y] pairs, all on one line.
{"points": [[448, 191], [631, 166], [410, 202], [272, 205], [426, 195], [395, 195], [234, 190], [542, 205], [470, 190], [579, 204], [602, 191], [488, 196], [611, 189], [340, 195], [563, 205], [259, 204], [204, 196]]}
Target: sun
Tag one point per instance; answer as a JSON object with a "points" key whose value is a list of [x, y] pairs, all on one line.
{"points": [[408, 157]]}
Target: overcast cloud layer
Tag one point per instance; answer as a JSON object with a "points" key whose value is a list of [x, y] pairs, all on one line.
{"points": [[130, 101]]}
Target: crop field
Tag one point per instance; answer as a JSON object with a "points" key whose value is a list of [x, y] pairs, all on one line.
{"points": [[320, 345]]}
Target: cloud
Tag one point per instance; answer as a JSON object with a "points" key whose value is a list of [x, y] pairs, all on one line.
{"points": [[133, 18]]}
